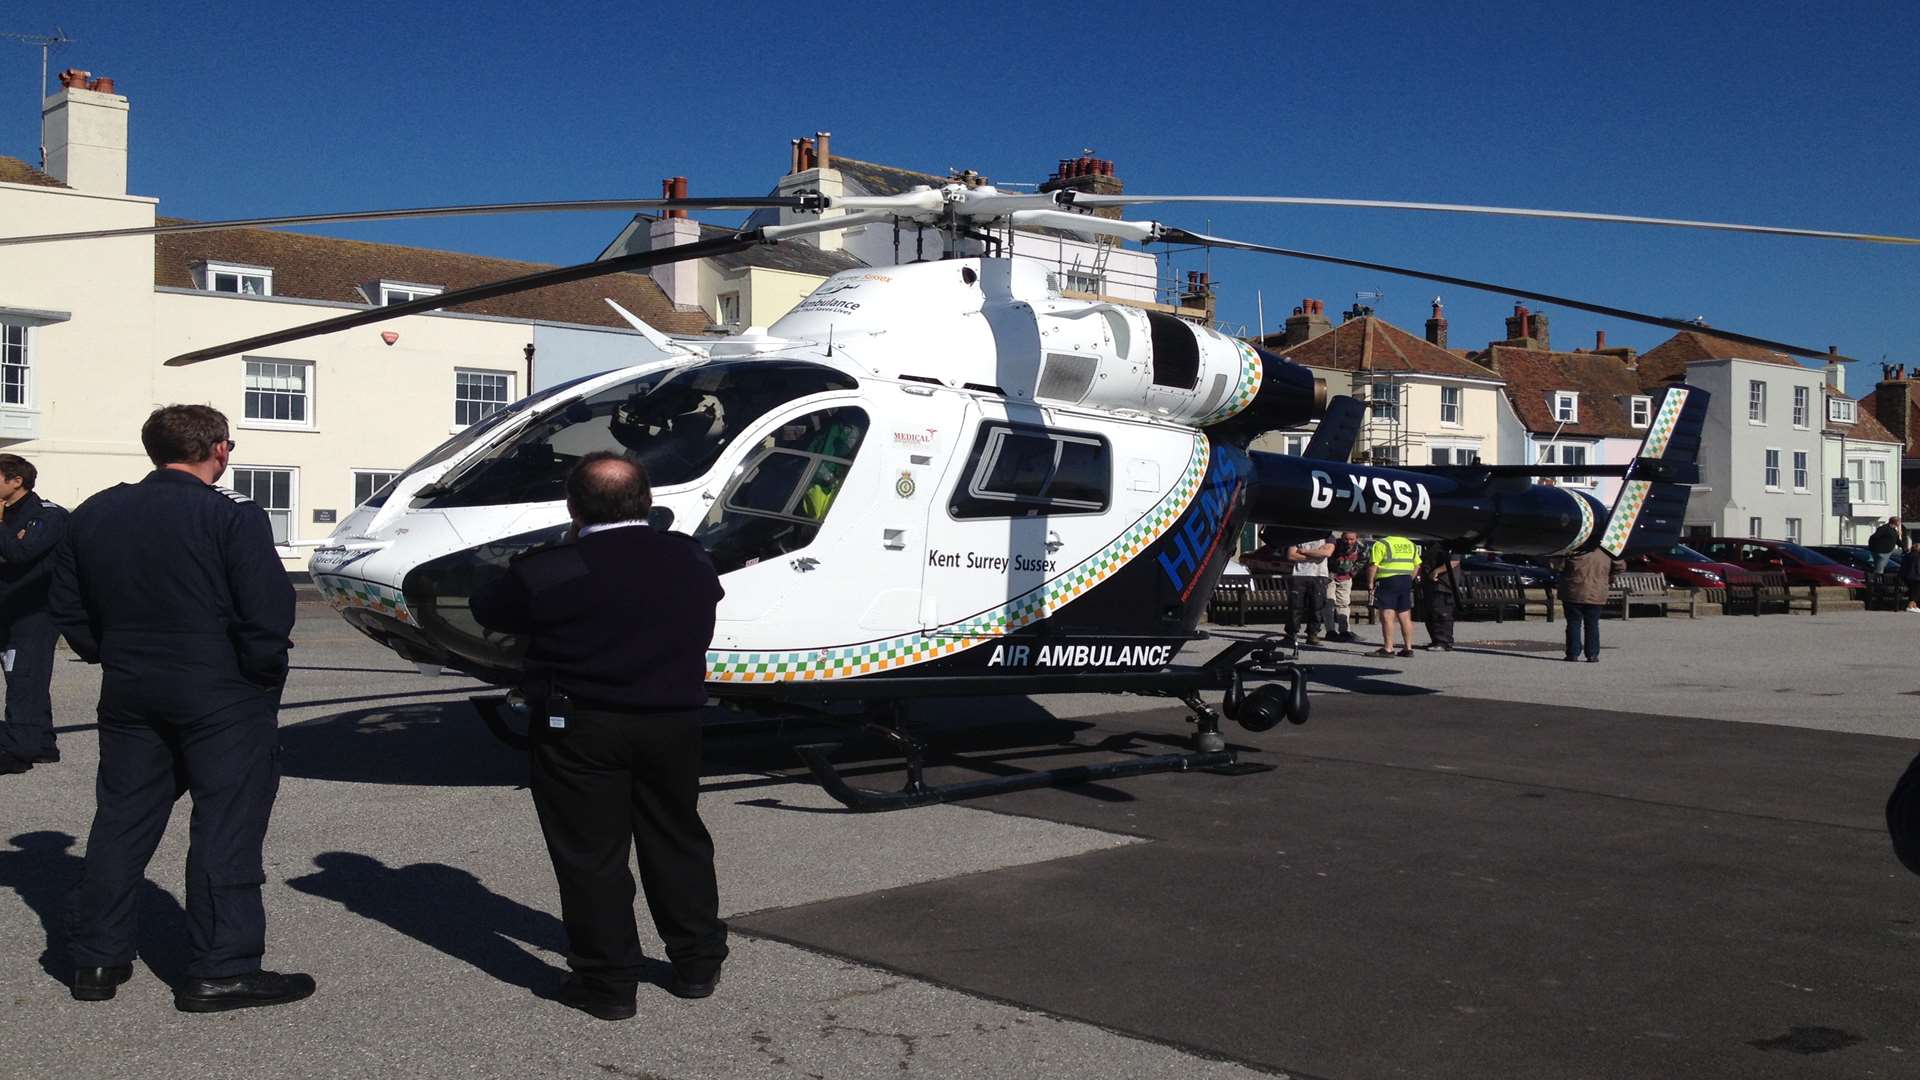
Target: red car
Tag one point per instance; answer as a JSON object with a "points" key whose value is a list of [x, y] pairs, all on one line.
{"points": [[1684, 567], [1803, 566]]}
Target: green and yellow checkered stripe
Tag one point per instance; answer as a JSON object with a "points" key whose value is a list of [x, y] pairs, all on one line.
{"points": [[1586, 524], [1251, 373], [345, 592], [849, 661], [1633, 493]]}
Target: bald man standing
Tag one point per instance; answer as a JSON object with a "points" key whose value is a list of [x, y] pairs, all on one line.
{"points": [[617, 621]]}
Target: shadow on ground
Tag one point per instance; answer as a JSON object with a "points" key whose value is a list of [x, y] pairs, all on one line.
{"points": [[42, 869]]}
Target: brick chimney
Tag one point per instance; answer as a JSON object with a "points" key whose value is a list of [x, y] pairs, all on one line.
{"points": [[1836, 371], [83, 134], [680, 280], [1090, 174], [1527, 330], [1537, 330], [1892, 404], [810, 168], [1437, 325], [1307, 322]]}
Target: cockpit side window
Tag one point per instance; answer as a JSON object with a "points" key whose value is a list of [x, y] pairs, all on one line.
{"points": [[783, 490], [1026, 471], [677, 422]]}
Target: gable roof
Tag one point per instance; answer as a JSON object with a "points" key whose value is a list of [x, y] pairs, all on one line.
{"points": [[1603, 384], [15, 171], [1370, 344], [799, 258], [1667, 361], [1866, 427], [877, 179], [327, 268]]}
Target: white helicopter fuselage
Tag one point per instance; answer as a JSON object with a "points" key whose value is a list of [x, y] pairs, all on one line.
{"points": [[992, 454]]}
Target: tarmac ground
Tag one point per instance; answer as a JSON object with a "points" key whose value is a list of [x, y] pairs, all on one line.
{"points": [[1477, 863]]}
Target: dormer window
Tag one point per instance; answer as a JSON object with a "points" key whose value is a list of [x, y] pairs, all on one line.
{"points": [[1640, 411], [388, 293], [1566, 407], [1842, 410], [237, 278]]}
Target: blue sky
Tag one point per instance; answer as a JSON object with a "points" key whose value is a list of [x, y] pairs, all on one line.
{"points": [[1768, 113]]}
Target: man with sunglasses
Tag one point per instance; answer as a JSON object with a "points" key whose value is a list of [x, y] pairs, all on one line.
{"points": [[174, 588]]}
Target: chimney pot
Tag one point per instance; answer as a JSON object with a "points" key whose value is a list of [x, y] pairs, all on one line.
{"points": [[1599, 340], [825, 155]]}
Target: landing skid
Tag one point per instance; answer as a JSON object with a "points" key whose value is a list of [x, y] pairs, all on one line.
{"points": [[888, 703]]}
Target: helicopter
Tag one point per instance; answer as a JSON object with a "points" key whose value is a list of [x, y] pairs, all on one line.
{"points": [[946, 479]]}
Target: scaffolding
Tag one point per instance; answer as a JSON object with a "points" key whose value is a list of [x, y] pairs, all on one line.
{"points": [[1384, 438]]}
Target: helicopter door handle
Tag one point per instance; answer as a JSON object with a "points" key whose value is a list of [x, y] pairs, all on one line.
{"points": [[804, 563], [1054, 543]]}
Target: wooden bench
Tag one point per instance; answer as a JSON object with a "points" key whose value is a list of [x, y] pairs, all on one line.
{"points": [[1885, 592], [1241, 598], [1640, 587], [1496, 593], [1754, 594]]}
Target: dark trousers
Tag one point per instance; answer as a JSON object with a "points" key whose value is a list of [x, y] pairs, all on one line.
{"points": [[1583, 619], [29, 727], [1441, 606], [230, 762], [1306, 598], [610, 780]]}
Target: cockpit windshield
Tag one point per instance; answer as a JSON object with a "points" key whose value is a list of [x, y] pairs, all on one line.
{"points": [[677, 422], [474, 432]]}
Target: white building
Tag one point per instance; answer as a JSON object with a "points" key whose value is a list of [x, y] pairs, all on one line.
{"points": [[319, 424]]}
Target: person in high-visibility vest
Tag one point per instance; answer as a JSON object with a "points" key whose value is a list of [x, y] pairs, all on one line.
{"points": [[1390, 576]]}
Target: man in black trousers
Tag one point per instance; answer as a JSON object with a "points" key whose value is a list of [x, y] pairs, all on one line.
{"points": [[618, 620], [173, 587], [30, 529]]}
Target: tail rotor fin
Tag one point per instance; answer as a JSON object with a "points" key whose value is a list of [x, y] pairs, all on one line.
{"points": [[1339, 430], [1652, 504]]}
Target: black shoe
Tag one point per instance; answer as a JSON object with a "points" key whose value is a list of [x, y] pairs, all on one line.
{"points": [[683, 986], [99, 983], [13, 763], [1593, 659], [1571, 659], [1404, 652], [597, 998], [1446, 648], [49, 756], [1313, 639], [260, 989]]}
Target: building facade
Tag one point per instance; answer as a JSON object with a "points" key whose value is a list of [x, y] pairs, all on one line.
{"points": [[319, 424]]}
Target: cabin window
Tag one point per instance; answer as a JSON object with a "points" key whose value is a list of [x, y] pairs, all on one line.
{"points": [[676, 422], [1023, 471], [781, 494]]}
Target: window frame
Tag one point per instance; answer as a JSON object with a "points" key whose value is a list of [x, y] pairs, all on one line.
{"points": [[208, 272], [1567, 401], [1384, 406], [1802, 475], [1756, 529], [1802, 406], [1770, 469], [390, 474], [720, 317], [1456, 405], [385, 289], [970, 501], [1794, 530], [1842, 410], [307, 392], [1640, 411], [1555, 453], [509, 376], [26, 347], [293, 496], [1757, 401], [1877, 481]]}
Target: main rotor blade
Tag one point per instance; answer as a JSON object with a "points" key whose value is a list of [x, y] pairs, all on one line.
{"points": [[1182, 236], [1086, 199], [539, 280], [566, 206]]}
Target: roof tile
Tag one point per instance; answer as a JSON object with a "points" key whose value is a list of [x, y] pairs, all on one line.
{"points": [[1371, 344], [327, 268], [15, 171]]}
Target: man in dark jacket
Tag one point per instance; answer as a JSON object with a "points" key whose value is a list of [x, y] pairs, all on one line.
{"points": [[618, 620], [1883, 543], [1585, 580], [1910, 575], [30, 529], [1440, 593], [174, 588]]}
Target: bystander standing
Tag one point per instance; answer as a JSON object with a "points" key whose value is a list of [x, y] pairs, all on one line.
{"points": [[1584, 583], [1393, 560], [1440, 593], [1307, 588], [1883, 543], [1348, 559], [1910, 575]]}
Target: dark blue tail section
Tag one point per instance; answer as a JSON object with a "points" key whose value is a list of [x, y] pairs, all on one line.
{"points": [[1652, 505]]}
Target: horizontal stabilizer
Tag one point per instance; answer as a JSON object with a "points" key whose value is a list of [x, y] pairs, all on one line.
{"points": [[1339, 430]]}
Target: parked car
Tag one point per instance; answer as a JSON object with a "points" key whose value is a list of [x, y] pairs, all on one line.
{"points": [[1803, 566], [1684, 567], [1531, 570], [1858, 556]]}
